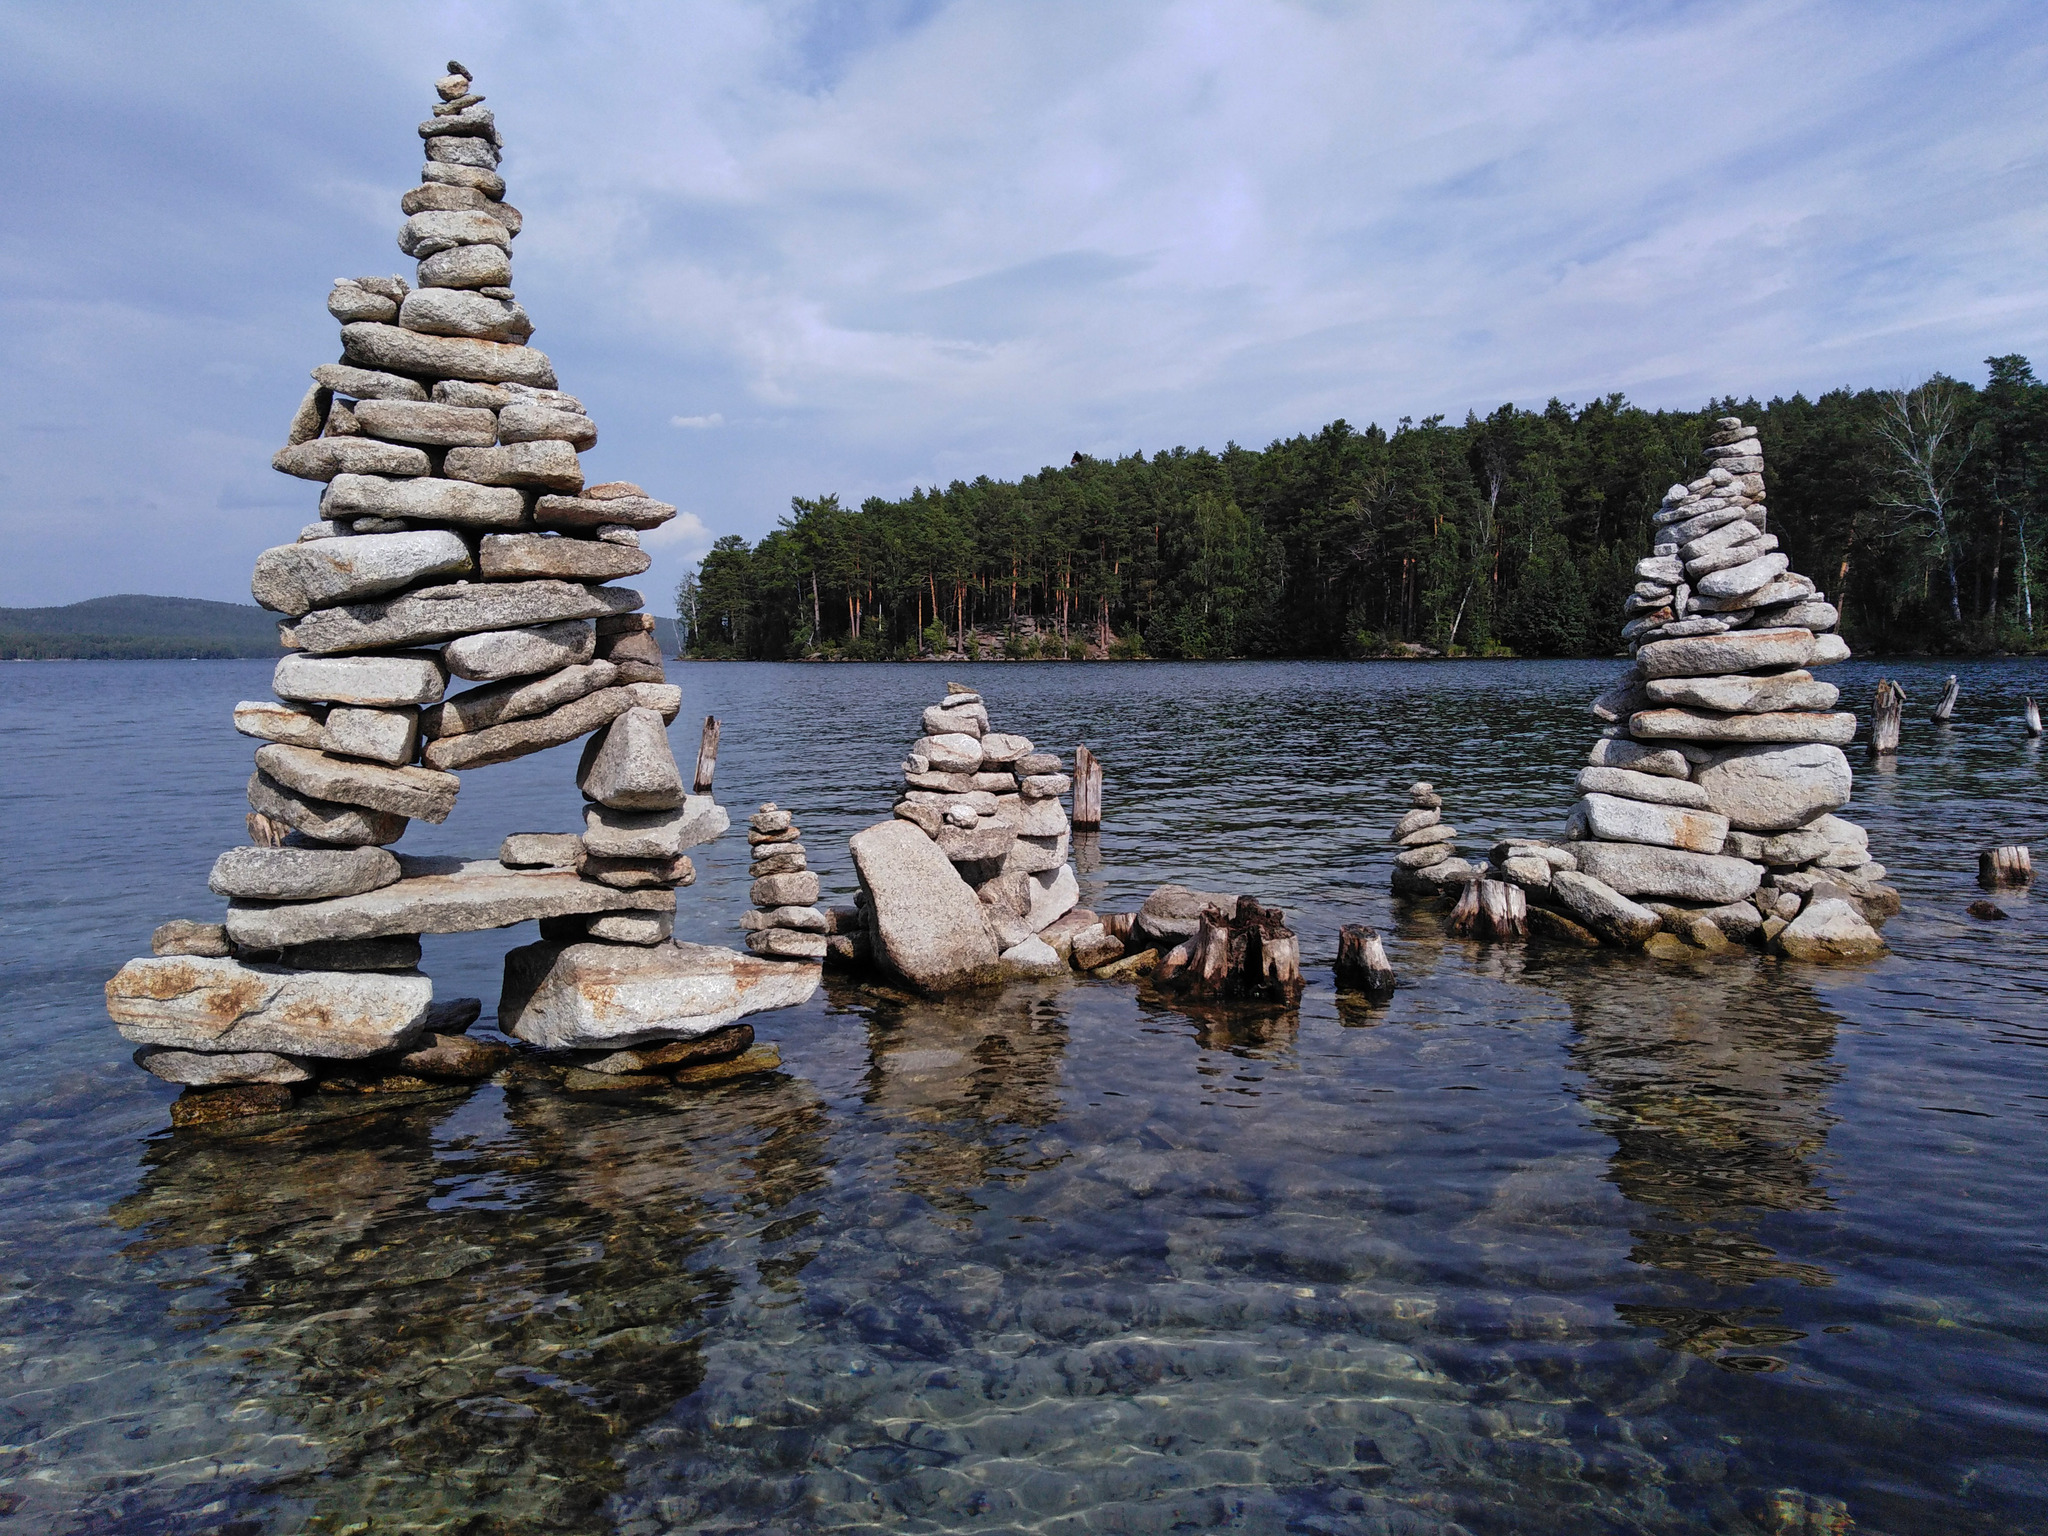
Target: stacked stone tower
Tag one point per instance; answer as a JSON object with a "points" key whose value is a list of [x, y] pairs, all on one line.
{"points": [[1713, 794], [457, 538]]}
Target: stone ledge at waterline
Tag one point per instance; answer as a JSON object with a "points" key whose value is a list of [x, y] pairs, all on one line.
{"points": [[579, 996]]}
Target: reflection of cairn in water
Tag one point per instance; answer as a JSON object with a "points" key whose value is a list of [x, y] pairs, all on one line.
{"points": [[466, 1357], [1714, 1087]]}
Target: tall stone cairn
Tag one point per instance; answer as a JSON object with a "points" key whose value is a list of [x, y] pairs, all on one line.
{"points": [[456, 537], [1712, 795]]}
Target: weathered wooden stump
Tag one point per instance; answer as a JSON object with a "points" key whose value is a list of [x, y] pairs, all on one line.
{"points": [[707, 757], [1249, 953], [2005, 866], [1945, 707], [1362, 964], [1087, 788], [2032, 716], [1885, 711], [1491, 909]]}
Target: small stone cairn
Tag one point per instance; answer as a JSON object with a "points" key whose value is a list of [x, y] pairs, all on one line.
{"points": [[958, 888], [1428, 862], [1707, 809], [786, 923], [456, 537]]}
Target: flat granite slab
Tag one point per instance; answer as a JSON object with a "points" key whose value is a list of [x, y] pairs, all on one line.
{"points": [[436, 895]]}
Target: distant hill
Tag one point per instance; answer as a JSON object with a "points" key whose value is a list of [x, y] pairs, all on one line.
{"points": [[132, 627]]}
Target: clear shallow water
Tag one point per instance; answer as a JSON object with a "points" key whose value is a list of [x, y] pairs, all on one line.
{"points": [[1550, 1243]]}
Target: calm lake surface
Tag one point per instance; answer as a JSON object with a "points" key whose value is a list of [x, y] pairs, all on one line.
{"points": [[1552, 1242]]}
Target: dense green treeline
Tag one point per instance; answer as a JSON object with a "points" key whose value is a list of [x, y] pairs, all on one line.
{"points": [[1917, 510]]}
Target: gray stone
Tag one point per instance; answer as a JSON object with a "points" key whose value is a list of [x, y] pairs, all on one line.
{"points": [[325, 821], [516, 699], [551, 465], [190, 1003], [1776, 788], [527, 422], [987, 841], [1618, 752], [296, 578], [420, 793], [1032, 958], [630, 767], [1635, 869], [1783, 726], [653, 834], [454, 1057], [278, 722], [430, 500], [503, 653], [300, 874], [1809, 613], [441, 229], [325, 457], [466, 266], [366, 383], [1743, 580], [541, 850], [1037, 762], [952, 753], [1752, 548], [215, 1069], [1621, 700], [1667, 570], [1802, 845], [1659, 789], [465, 151], [928, 926], [1529, 873], [964, 720], [802, 919], [795, 889], [1035, 855], [436, 896], [481, 397], [582, 996], [390, 736], [1606, 911], [1828, 649], [1044, 786], [433, 195], [442, 311], [1786, 589], [638, 874], [394, 952], [488, 182], [666, 1055], [771, 821], [588, 511], [321, 530], [349, 301], [1422, 857], [632, 927], [1437, 832], [442, 613], [426, 423], [1053, 894], [1729, 533], [1614, 819], [787, 944], [1829, 929], [1441, 880], [1001, 749], [182, 936], [1746, 650], [514, 555], [369, 345], [516, 738], [1173, 912], [1795, 690]]}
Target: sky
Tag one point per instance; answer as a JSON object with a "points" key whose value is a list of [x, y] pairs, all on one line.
{"points": [[810, 246]]}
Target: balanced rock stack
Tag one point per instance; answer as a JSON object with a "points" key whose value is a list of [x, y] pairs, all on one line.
{"points": [[1712, 796], [786, 922], [456, 537], [1428, 863], [957, 889]]}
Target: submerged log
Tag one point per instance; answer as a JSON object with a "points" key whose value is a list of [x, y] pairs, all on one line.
{"points": [[2033, 717], [707, 757], [1087, 788], [1945, 707], [1362, 964], [1884, 718], [2005, 866], [1249, 953], [1491, 909]]}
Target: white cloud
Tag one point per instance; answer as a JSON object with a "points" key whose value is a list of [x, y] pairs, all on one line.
{"points": [[699, 422], [684, 533]]}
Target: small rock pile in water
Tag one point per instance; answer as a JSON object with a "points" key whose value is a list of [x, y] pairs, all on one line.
{"points": [[1707, 808], [1428, 863], [786, 923], [456, 537], [957, 889]]}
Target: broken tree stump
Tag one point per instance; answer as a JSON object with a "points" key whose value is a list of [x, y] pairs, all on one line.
{"points": [[2005, 866], [1885, 711], [707, 757], [1249, 953], [1087, 788], [2032, 716], [1491, 909], [1362, 964], [1945, 707]]}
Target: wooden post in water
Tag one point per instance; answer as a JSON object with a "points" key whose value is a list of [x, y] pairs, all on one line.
{"points": [[2033, 717], [1362, 964], [1884, 718], [1087, 788], [1946, 708], [707, 757], [2005, 866]]}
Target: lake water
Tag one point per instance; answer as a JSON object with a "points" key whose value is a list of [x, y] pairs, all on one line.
{"points": [[1552, 1242]]}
